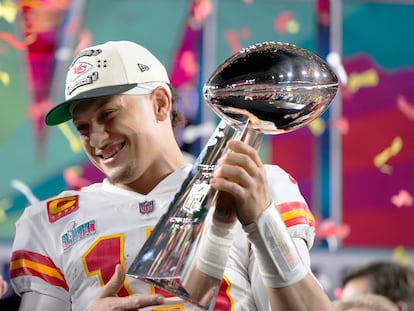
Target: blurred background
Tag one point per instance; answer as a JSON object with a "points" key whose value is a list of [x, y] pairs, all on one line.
{"points": [[354, 164]]}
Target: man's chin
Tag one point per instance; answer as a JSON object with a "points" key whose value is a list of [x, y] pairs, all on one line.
{"points": [[120, 177]]}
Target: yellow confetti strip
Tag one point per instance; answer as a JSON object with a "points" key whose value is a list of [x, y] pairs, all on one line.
{"points": [[317, 126], [292, 26], [4, 78], [401, 256], [386, 169], [368, 78], [8, 11], [381, 159], [5, 204], [74, 141]]}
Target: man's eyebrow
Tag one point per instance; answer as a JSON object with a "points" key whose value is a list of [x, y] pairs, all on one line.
{"points": [[100, 100]]}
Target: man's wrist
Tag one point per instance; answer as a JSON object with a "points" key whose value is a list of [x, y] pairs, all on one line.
{"points": [[214, 248], [277, 257]]}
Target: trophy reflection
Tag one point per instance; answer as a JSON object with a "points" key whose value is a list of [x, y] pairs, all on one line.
{"points": [[267, 88]]}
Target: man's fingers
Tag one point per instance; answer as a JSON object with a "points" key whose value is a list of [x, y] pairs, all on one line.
{"points": [[140, 301], [134, 302], [114, 284], [107, 298], [244, 148]]}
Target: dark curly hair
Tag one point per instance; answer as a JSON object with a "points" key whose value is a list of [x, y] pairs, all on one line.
{"points": [[177, 118]]}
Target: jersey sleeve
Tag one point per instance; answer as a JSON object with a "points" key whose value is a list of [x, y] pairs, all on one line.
{"points": [[298, 219], [33, 263], [292, 206], [244, 283]]}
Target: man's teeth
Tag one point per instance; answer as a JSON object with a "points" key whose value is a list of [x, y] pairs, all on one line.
{"points": [[113, 152]]}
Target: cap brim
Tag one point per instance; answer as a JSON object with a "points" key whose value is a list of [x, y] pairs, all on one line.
{"points": [[61, 113]]}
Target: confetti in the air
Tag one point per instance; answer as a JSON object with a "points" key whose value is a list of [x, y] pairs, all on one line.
{"points": [[380, 160], [401, 256], [8, 11], [341, 124], [73, 178], [405, 107], [356, 81], [74, 141], [285, 23], [403, 198], [317, 126]]}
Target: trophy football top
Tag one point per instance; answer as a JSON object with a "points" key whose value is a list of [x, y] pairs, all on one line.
{"points": [[280, 87]]}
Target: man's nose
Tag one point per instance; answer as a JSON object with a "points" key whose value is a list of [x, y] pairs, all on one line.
{"points": [[98, 135]]}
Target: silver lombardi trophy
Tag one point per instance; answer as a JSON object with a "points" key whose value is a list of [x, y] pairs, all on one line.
{"points": [[267, 88]]}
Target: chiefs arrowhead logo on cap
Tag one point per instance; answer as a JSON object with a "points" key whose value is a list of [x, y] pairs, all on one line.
{"points": [[79, 69]]}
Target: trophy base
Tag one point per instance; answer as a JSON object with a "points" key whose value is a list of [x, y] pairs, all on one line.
{"points": [[174, 287], [169, 302]]}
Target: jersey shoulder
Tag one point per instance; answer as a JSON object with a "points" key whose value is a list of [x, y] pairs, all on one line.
{"points": [[291, 204], [57, 206]]}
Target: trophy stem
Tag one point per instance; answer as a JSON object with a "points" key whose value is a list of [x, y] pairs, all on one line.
{"points": [[253, 137]]}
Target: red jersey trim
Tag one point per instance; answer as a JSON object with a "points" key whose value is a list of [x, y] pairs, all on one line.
{"points": [[24, 263], [224, 301], [296, 213]]}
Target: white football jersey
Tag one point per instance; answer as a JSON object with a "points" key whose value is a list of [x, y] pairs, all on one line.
{"points": [[67, 247]]}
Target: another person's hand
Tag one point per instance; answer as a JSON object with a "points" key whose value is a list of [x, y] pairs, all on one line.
{"points": [[242, 175], [3, 286], [107, 298]]}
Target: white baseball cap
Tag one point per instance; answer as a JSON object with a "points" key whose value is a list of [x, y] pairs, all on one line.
{"points": [[107, 69]]}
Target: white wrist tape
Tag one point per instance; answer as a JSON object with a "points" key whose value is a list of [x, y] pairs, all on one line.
{"points": [[214, 248], [279, 262]]}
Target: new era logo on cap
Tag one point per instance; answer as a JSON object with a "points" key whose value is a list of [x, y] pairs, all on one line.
{"points": [[143, 67]]}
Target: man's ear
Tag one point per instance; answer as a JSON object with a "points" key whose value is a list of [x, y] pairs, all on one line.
{"points": [[162, 103]]}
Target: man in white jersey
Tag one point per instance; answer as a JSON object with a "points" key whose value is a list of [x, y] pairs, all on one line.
{"points": [[71, 251]]}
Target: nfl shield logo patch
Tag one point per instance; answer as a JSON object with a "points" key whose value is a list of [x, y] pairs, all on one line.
{"points": [[146, 207]]}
